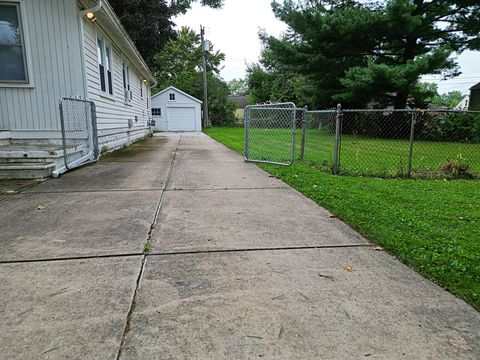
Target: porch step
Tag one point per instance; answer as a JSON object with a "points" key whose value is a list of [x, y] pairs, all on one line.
{"points": [[26, 170], [33, 161]]}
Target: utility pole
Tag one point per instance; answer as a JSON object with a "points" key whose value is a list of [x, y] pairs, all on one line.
{"points": [[205, 48]]}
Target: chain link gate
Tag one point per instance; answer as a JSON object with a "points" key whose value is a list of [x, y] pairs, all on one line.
{"points": [[78, 122], [270, 133]]}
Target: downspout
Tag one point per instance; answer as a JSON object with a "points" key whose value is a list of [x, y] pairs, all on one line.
{"points": [[93, 155]]}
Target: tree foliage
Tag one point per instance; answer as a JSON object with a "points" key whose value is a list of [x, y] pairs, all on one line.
{"points": [[180, 65], [238, 87], [356, 51], [450, 99], [149, 22]]}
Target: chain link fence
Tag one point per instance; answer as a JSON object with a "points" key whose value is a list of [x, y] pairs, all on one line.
{"points": [[393, 143], [79, 132], [270, 133]]}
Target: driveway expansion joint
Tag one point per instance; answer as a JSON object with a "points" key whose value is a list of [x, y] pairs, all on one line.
{"points": [[280, 248], [70, 258], [230, 189]]}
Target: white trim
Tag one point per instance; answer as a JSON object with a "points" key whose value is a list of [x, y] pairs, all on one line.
{"points": [[180, 91], [106, 44], [27, 55]]}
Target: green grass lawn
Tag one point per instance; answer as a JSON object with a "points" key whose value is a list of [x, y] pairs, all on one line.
{"points": [[364, 156], [431, 225]]}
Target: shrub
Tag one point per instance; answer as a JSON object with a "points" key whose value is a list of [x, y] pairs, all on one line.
{"points": [[457, 170]]}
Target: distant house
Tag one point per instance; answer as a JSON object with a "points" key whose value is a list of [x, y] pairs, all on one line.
{"points": [[463, 104], [241, 102], [474, 97], [66, 48], [175, 110]]}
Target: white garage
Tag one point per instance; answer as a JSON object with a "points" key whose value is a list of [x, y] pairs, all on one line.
{"points": [[175, 110]]}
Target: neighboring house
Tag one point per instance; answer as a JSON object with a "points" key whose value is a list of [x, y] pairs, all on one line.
{"points": [[175, 110], [65, 48], [463, 104], [474, 98], [241, 101]]}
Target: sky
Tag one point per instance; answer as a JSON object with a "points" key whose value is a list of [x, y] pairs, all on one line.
{"points": [[234, 28]]}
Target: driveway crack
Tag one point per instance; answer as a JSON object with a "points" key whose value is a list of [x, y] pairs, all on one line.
{"points": [[146, 248]]}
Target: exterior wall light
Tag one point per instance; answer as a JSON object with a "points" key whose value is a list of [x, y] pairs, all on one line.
{"points": [[91, 16]]}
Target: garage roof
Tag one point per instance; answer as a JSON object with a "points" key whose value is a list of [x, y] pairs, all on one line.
{"points": [[178, 90]]}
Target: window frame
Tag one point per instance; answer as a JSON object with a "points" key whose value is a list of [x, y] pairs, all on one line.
{"points": [[157, 108], [170, 95], [105, 66], [126, 81], [25, 44]]}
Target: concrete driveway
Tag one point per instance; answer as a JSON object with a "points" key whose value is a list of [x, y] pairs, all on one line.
{"points": [[240, 266]]}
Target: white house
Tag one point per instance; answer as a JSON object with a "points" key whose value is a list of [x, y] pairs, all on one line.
{"points": [[463, 105], [66, 48], [175, 110]]}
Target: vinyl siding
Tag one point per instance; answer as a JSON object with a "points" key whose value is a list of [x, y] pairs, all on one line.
{"points": [[112, 112], [53, 54]]}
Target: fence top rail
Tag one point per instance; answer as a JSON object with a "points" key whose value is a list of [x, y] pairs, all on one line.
{"points": [[270, 105], [332, 111], [437, 111], [272, 108], [69, 98]]}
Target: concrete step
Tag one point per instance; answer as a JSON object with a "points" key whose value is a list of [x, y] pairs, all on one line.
{"points": [[35, 160], [26, 170]]}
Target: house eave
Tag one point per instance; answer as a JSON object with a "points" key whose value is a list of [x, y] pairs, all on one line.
{"points": [[107, 16], [180, 91]]}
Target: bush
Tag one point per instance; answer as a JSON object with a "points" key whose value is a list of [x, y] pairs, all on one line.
{"points": [[461, 126], [457, 170]]}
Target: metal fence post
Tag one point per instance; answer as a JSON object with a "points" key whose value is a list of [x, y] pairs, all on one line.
{"points": [[246, 130], [410, 149], [304, 133], [336, 151]]}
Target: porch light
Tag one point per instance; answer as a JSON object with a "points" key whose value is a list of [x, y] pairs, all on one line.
{"points": [[91, 16]]}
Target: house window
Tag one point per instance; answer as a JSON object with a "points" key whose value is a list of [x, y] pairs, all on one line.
{"points": [[156, 111], [171, 97], [13, 65], [104, 53], [141, 89], [126, 82]]}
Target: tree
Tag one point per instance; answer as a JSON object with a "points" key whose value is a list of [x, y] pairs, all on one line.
{"points": [[450, 99], [355, 51], [238, 87], [180, 65], [149, 24]]}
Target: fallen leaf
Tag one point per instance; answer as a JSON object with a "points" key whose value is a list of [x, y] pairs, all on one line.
{"points": [[378, 248], [349, 268], [40, 207]]}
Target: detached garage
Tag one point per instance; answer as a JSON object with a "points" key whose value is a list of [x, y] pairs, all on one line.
{"points": [[175, 110]]}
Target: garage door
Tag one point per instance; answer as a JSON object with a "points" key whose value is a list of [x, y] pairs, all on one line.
{"points": [[181, 119]]}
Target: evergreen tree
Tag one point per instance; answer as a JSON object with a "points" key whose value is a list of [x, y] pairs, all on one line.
{"points": [[354, 51]]}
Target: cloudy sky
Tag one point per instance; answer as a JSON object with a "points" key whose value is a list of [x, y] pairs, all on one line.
{"points": [[234, 31]]}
